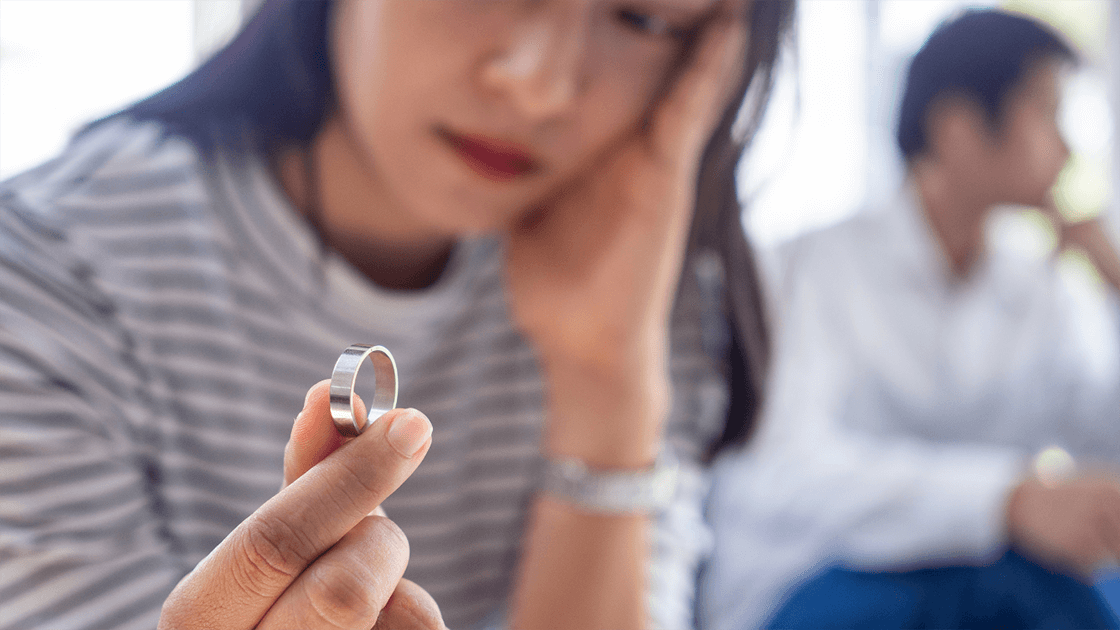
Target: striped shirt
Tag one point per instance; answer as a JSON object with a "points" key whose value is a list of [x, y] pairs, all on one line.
{"points": [[162, 315]]}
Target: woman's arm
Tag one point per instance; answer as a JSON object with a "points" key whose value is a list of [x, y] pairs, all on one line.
{"points": [[579, 569], [81, 544], [592, 282]]}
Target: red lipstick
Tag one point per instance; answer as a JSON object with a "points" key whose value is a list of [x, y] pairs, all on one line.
{"points": [[493, 159]]}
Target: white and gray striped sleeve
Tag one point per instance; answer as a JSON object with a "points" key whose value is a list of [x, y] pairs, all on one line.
{"points": [[682, 537], [80, 535]]}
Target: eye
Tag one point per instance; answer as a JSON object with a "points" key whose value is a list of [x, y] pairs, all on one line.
{"points": [[646, 23]]}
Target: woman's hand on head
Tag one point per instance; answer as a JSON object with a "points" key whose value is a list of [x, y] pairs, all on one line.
{"points": [[314, 556], [594, 272]]}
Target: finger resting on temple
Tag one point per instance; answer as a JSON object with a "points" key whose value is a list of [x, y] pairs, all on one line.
{"points": [[693, 106]]}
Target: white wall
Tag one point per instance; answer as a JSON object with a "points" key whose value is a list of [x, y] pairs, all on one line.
{"points": [[65, 62], [827, 148], [1114, 77], [807, 167]]}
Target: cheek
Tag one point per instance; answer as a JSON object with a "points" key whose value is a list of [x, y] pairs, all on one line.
{"points": [[395, 65], [358, 53], [616, 101], [1047, 156], [1034, 160], [388, 88]]}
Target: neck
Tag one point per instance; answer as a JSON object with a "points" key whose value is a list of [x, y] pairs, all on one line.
{"points": [[331, 184], [956, 217]]}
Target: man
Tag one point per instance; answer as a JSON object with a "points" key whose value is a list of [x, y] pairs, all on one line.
{"points": [[920, 367]]}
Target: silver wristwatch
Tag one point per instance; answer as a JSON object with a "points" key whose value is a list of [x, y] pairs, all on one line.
{"points": [[612, 492]]}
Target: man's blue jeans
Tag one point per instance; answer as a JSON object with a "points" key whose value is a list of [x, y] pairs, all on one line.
{"points": [[1011, 593]]}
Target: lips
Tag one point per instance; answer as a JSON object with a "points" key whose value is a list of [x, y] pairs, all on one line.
{"points": [[493, 159]]}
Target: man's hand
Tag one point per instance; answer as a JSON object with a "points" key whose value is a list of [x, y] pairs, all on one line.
{"points": [[313, 556], [1089, 236], [1073, 527]]}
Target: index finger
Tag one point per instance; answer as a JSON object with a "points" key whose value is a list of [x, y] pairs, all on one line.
{"points": [[314, 435], [237, 583]]}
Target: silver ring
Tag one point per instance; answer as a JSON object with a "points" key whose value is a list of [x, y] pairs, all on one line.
{"points": [[342, 387]]}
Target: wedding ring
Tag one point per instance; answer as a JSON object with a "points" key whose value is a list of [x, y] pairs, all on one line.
{"points": [[344, 377]]}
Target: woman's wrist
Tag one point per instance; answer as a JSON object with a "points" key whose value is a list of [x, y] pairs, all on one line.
{"points": [[606, 418]]}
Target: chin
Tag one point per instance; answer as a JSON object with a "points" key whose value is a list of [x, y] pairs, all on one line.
{"points": [[469, 217], [474, 209]]}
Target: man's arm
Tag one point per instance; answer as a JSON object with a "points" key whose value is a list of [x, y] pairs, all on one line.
{"points": [[1091, 237]]}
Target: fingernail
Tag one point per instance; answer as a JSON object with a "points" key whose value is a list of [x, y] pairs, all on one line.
{"points": [[409, 431]]}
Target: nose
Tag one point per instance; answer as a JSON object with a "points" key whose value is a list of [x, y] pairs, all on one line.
{"points": [[541, 68]]}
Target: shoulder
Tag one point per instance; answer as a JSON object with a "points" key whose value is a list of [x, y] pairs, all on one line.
{"points": [[111, 177], [113, 160], [822, 243], [829, 254]]}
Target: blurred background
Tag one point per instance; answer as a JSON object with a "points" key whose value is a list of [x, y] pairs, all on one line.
{"points": [[825, 151]]}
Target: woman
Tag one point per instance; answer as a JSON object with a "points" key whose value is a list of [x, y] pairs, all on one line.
{"points": [[511, 196]]}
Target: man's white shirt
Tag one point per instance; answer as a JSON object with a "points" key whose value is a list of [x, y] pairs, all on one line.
{"points": [[905, 405]]}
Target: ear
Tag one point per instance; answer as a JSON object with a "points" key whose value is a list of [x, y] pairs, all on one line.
{"points": [[957, 131]]}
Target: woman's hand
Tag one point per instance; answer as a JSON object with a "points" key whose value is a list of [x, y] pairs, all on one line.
{"points": [[313, 556], [593, 274], [1073, 527]]}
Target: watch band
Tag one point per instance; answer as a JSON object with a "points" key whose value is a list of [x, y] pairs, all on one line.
{"points": [[612, 492]]}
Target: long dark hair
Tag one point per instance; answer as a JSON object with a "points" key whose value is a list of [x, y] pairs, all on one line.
{"points": [[271, 88]]}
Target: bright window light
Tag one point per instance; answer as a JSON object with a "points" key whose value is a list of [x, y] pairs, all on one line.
{"points": [[66, 62]]}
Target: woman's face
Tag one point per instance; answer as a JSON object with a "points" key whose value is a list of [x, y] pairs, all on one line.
{"points": [[470, 112]]}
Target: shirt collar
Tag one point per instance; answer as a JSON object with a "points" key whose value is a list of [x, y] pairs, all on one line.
{"points": [[917, 246]]}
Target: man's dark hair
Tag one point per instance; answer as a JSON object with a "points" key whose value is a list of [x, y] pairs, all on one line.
{"points": [[981, 55]]}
